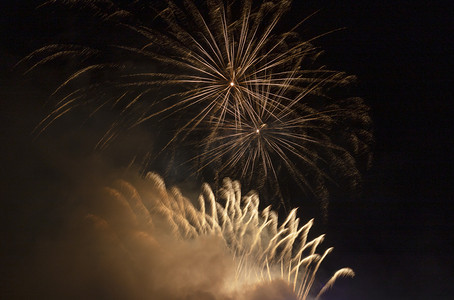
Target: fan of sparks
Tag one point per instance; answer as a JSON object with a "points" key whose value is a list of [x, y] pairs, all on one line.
{"points": [[220, 73], [262, 248]]}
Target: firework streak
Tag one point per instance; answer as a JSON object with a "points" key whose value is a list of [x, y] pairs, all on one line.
{"points": [[262, 249]]}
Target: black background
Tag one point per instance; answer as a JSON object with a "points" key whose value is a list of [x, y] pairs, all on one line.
{"points": [[397, 236]]}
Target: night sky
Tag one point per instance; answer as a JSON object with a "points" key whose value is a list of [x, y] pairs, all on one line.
{"points": [[397, 235]]}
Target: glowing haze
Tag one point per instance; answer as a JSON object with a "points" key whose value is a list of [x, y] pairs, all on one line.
{"points": [[150, 242]]}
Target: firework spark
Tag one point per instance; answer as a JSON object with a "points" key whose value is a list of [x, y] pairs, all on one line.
{"points": [[262, 248]]}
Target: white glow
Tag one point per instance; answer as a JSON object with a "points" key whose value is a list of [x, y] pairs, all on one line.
{"points": [[232, 83]]}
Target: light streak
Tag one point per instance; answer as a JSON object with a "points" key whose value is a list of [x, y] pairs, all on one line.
{"points": [[262, 248]]}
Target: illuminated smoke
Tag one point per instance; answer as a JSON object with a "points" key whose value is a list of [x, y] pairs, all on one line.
{"points": [[244, 246]]}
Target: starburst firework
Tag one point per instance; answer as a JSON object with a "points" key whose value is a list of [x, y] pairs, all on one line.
{"points": [[227, 77], [274, 139]]}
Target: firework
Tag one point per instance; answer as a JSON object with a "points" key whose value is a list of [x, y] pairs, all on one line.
{"points": [[217, 57], [262, 249], [294, 139], [221, 73], [222, 57]]}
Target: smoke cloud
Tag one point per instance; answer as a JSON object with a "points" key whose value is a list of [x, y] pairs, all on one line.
{"points": [[101, 248]]}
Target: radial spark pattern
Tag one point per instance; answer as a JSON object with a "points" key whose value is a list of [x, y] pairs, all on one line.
{"points": [[219, 72]]}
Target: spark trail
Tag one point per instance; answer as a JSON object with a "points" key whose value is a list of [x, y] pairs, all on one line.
{"points": [[262, 248]]}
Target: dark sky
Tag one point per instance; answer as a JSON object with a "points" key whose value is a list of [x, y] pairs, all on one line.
{"points": [[400, 232], [397, 236]]}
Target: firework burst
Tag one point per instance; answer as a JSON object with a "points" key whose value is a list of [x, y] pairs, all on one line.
{"points": [[275, 139], [262, 248], [220, 72]]}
